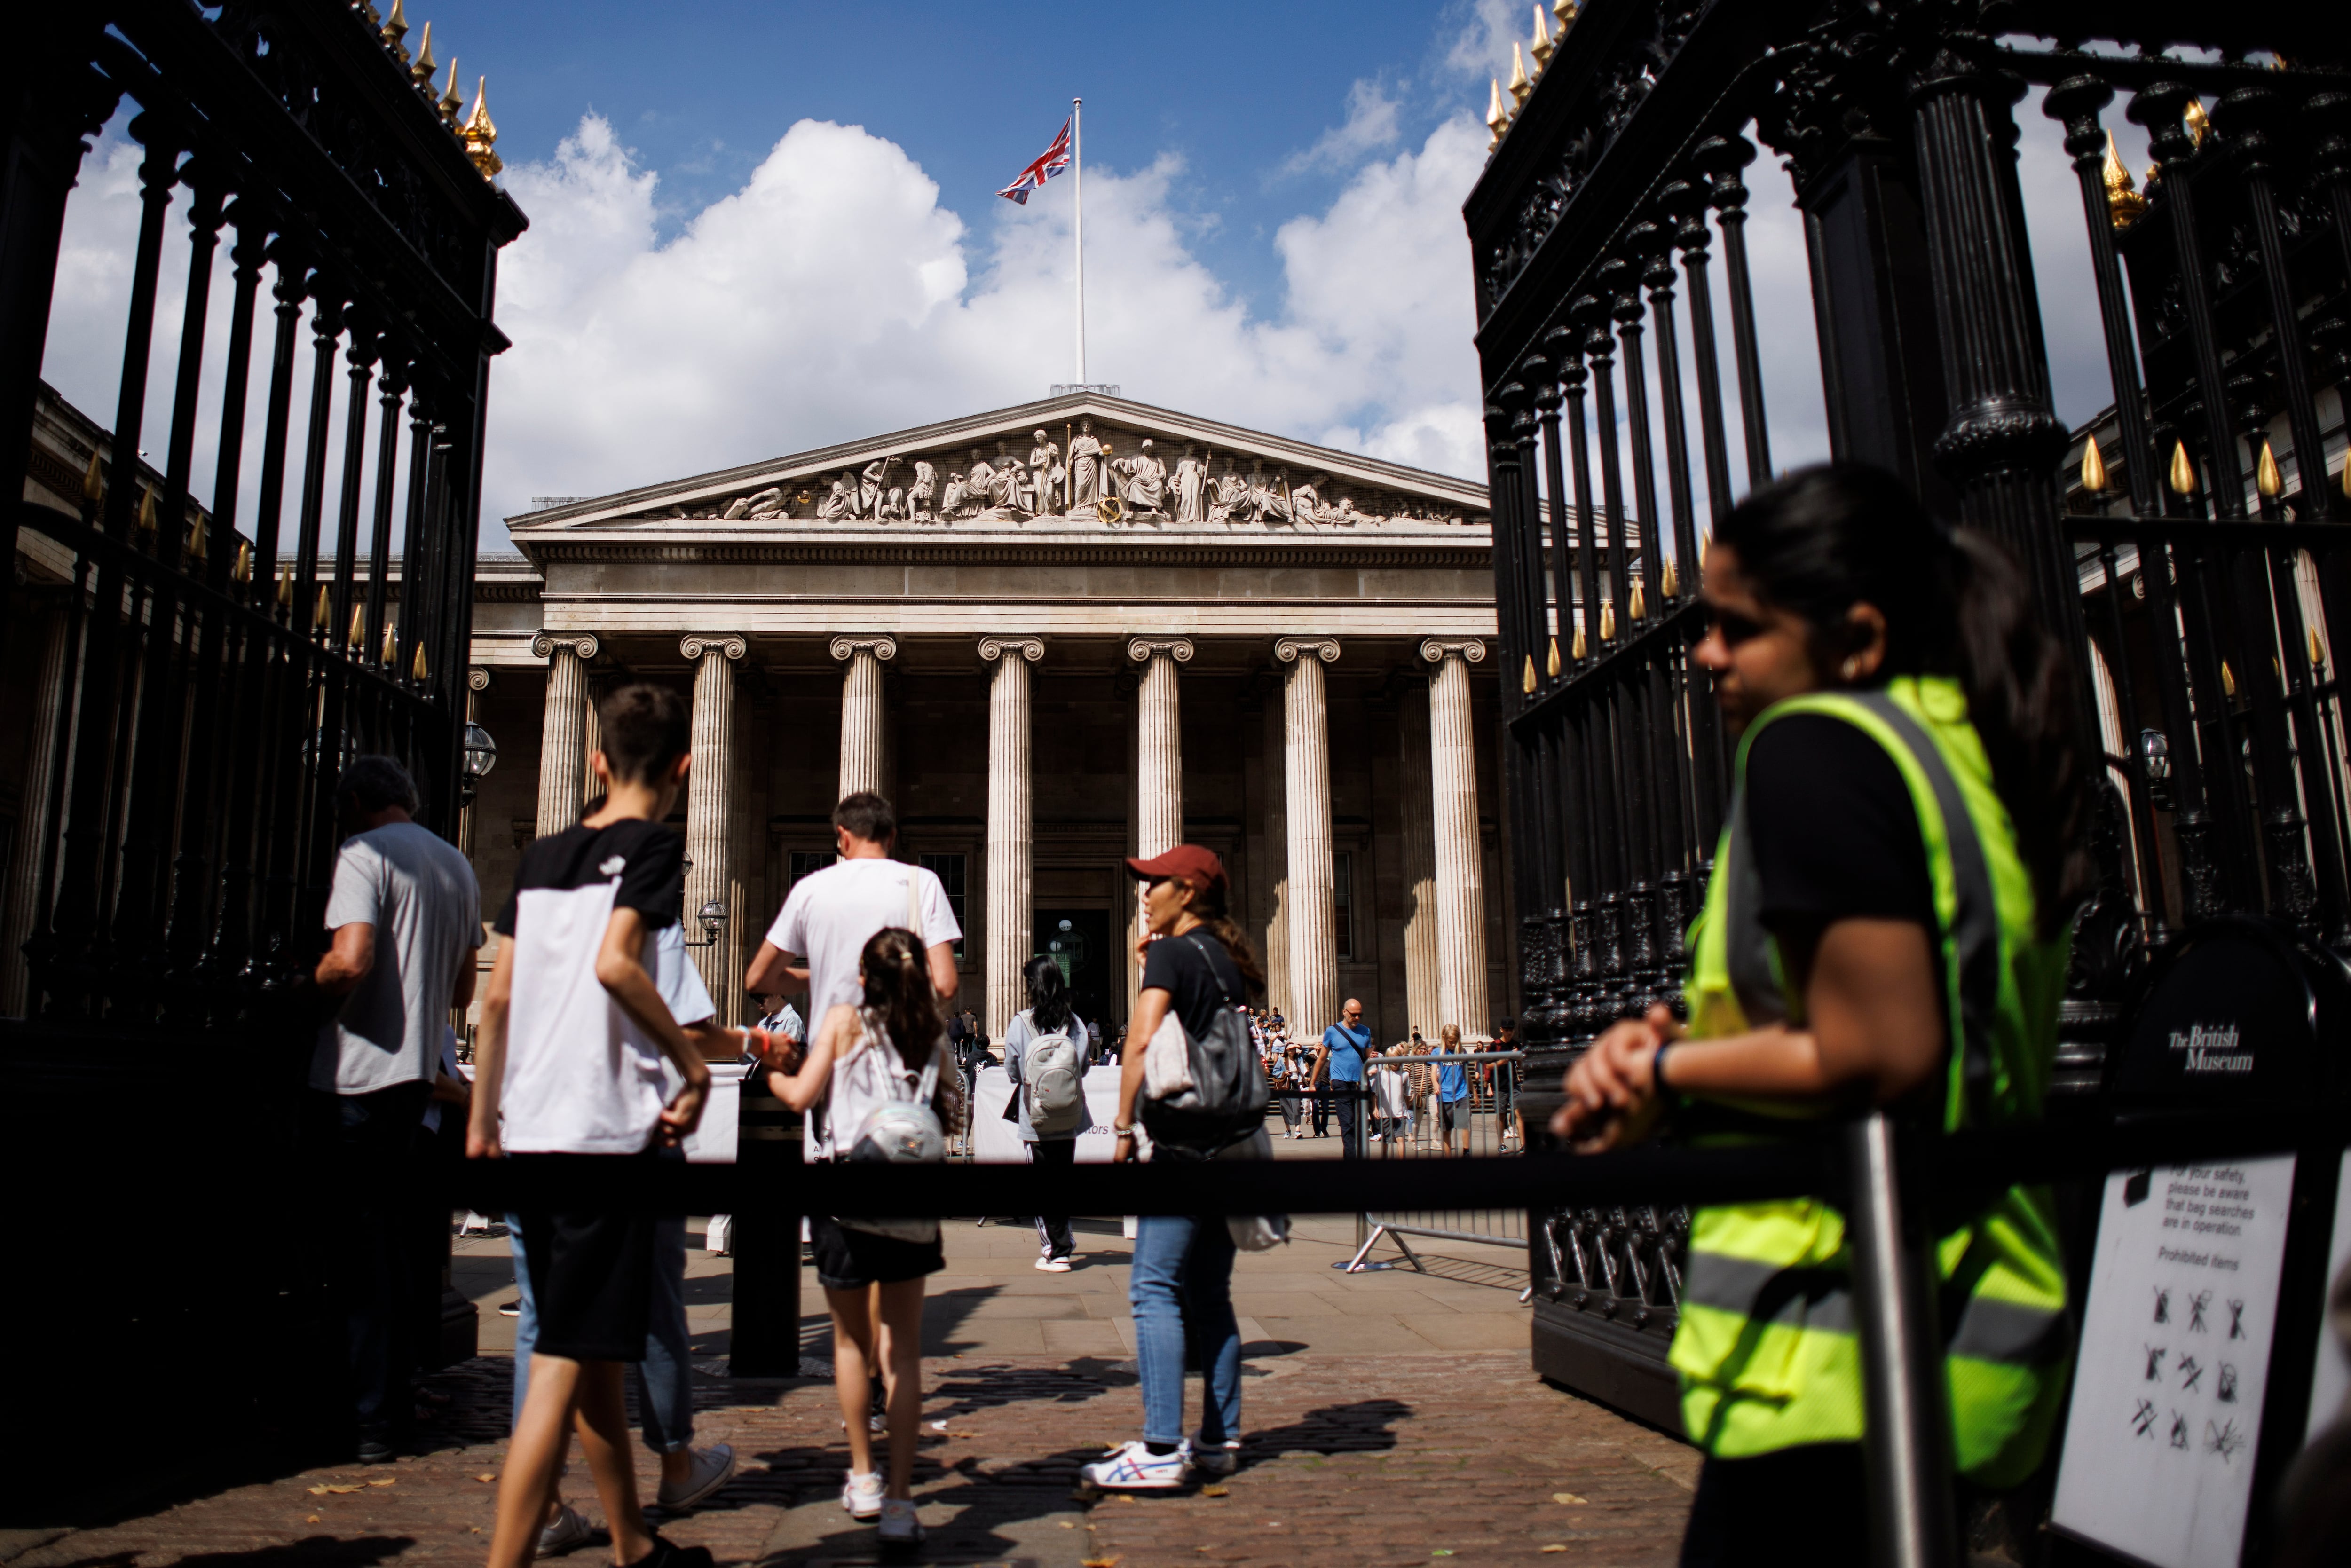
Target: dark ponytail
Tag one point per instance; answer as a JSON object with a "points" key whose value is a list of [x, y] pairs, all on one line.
{"points": [[1208, 905], [1049, 994], [1819, 541], [898, 992]]}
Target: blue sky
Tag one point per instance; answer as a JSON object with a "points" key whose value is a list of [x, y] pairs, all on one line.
{"points": [[1251, 98]]}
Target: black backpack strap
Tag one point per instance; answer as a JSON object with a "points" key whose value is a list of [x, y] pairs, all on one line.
{"points": [[1219, 979]]}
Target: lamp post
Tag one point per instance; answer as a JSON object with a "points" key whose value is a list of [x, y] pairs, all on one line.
{"points": [[480, 753]]}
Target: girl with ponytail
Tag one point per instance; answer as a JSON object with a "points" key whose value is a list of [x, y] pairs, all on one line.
{"points": [[864, 1058], [1886, 925]]}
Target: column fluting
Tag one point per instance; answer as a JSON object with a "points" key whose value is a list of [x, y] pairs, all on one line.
{"points": [[1159, 744], [25, 900], [1420, 985], [863, 740], [1461, 981], [1011, 873], [710, 815], [1306, 785], [563, 733]]}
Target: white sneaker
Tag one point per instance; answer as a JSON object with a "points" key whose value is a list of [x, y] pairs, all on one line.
{"points": [[1213, 1459], [1054, 1265], [899, 1525], [877, 1422], [713, 1468], [862, 1496], [1135, 1468], [566, 1532]]}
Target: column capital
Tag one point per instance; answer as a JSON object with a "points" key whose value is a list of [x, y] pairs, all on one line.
{"points": [[1142, 650], [1437, 650], [883, 648], [695, 644], [1290, 650], [1027, 644], [477, 678], [583, 644]]}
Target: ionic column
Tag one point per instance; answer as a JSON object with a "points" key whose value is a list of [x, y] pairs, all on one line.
{"points": [[862, 736], [1306, 786], [563, 734], [24, 901], [1453, 791], [477, 681], [1420, 985], [1011, 876], [1276, 841], [1159, 743], [710, 816]]}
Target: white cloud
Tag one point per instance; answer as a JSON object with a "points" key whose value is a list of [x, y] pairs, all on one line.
{"points": [[833, 295], [1371, 124]]}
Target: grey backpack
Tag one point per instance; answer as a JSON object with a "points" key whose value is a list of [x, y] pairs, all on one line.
{"points": [[1224, 1101], [1052, 1086]]}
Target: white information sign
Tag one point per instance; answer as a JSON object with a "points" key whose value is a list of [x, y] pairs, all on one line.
{"points": [[2158, 1455], [2330, 1385]]}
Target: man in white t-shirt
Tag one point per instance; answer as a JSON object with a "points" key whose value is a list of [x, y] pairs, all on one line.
{"points": [[830, 914]]}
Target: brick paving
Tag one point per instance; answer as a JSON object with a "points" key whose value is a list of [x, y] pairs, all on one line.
{"points": [[1390, 1458]]}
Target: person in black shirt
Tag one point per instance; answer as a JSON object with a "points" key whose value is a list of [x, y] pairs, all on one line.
{"points": [[1196, 964]]}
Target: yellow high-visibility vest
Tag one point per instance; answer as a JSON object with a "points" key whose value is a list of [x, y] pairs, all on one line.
{"points": [[1766, 1348]]}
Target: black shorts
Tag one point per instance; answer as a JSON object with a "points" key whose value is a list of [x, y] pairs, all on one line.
{"points": [[1452, 1113], [592, 1280], [849, 1260]]}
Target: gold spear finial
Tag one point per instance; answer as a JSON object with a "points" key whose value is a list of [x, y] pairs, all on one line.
{"points": [[2094, 467], [1638, 609], [1497, 120], [93, 479], [2266, 477], [2183, 471], [390, 643], [421, 73], [198, 545], [1607, 622], [1565, 11], [451, 105], [2124, 206], [1576, 648], [285, 588], [481, 134], [323, 613], [1542, 48], [242, 571], [395, 27], [1673, 583], [1519, 85], [416, 665], [2228, 679], [358, 625], [2196, 120], [147, 508], [1528, 680], [2317, 654], [1551, 664]]}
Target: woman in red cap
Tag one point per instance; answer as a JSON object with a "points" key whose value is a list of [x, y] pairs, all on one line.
{"points": [[1194, 962]]}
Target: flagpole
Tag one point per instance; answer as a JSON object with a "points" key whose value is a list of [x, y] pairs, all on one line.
{"points": [[1077, 227]]}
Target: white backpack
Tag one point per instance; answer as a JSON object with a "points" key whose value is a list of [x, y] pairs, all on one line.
{"points": [[1052, 1086], [893, 1123]]}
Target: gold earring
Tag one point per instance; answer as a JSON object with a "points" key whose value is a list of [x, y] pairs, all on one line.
{"points": [[1852, 667]]}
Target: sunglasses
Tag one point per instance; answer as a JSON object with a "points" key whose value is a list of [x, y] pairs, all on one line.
{"points": [[1731, 626]]}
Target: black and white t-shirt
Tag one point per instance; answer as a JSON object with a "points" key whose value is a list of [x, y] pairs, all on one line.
{"points": [[580, 1077]]}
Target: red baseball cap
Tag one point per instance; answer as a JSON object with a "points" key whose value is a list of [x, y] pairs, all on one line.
{"points": [[1196, 864]]}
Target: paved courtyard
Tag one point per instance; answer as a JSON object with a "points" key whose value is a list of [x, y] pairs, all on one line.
{"points": [[1391, 1419]]}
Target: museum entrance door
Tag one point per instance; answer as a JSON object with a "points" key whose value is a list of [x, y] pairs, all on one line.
{"points": [[1079, 940]]}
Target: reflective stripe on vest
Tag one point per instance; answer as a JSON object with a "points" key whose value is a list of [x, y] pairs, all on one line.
{"points": [[1766, 1345]]}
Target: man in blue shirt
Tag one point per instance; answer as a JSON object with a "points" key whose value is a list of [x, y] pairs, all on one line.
{"points": [[1344, 1046]]}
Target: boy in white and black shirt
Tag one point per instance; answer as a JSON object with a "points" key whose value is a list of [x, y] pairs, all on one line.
{"points": [[573, 1034]]}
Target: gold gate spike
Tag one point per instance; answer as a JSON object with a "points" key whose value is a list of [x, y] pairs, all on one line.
{"points": [[2094, 467], [1528, 680], [417, 668], [1553, 664], [2266, 477], [2183, 471], [93, 480]]}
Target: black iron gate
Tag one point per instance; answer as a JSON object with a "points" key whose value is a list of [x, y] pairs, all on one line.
{"points": [[212, 671], [2187, 542]]}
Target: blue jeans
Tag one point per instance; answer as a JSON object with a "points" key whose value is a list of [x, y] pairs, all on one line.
{"points": [[1181, 1289], [665, 1377]]}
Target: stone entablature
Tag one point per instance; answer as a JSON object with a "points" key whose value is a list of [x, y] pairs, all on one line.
{"points": [[1090, 464]]}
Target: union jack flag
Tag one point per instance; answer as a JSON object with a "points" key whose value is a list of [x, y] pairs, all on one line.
{"points": [[1049, 162]]}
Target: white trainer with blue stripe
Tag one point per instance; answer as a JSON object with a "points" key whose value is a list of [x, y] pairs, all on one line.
{"points": [[1135, 1468]]}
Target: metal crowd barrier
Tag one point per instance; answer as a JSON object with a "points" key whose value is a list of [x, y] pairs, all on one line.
{"points": [[1401, 1115]]}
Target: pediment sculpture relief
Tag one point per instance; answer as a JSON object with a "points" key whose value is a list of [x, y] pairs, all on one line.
{"points": [[1119, 478]]}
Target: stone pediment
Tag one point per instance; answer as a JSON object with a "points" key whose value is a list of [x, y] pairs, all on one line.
{"points": [[1102, 466]]}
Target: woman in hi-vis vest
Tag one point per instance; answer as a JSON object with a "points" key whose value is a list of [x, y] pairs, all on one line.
{"points": [[1887, 924]]}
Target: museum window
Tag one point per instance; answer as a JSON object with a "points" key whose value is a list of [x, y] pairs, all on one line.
{"points": [[802, 862], [950, 869], [1343, 896]]}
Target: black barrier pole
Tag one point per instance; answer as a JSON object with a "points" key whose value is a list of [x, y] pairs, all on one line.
{"points": [[764, 1339], [1906, 1445]]}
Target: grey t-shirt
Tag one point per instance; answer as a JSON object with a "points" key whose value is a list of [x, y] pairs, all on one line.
{"points": [[419, 894]]}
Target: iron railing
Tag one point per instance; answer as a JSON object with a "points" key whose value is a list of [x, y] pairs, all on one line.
{"points": [[2187, 561], [178, 840]]}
